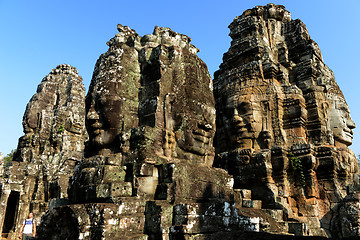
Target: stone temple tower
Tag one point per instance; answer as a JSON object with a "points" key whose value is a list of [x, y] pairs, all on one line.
{"points": [[282, 116], [159, 150], [54, 127]]}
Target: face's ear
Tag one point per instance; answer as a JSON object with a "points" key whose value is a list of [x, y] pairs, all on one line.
{"points": [[169, 100]]}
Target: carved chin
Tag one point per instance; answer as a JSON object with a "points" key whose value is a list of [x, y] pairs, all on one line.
{"points": [[97, 140], [198, 150], [196, 147], [103, 138], [242, 142], [244, 136]]}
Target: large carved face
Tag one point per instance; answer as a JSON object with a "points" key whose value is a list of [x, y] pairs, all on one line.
{"points": [[190, 114], [340, 122], [112, 101], [243, 120], [104, 116], [196, 131]]}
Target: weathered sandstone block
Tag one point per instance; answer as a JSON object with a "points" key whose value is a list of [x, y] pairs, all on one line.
{"points": [[54, 127], [283, 125]]}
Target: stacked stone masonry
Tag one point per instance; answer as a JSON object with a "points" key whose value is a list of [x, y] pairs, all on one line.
{"points": [[287, 121], [259, 152], [54, 127]]}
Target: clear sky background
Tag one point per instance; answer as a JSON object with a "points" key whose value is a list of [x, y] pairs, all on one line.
{"points": [[36, 36]]}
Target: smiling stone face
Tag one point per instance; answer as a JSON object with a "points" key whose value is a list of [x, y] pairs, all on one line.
{"points": [[244, 117], [156, 86], [282, 121], [104, 118], [340, 122], [194, 112], [195, 132], [176, 101], [112, 101], [245, 120], [150, 102]]}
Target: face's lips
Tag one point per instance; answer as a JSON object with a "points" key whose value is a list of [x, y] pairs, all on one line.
{"points": [[239, 127], [240, 130], [349, 134], [201, 138], [348, 130], [201, 132], [202, 135], [96, 125], [239, 124], [96, 128]]}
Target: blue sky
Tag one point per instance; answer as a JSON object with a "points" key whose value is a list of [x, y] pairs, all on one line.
{"points": [[36, 36]]}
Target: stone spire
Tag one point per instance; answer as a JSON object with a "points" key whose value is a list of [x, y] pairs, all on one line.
{"points": [[149, 102], [150, 117], [279, 164], [54, 127], [282, 114]]}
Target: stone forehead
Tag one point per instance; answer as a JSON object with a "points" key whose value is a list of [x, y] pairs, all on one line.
{"points": [[206, 108], [235, 100], [341, 105], [253, 93], [334, 93]]}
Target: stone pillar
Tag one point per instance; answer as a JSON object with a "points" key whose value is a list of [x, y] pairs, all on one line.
{"points": [[5, 192]]}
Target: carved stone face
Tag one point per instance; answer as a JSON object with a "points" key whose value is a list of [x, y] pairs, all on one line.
{"points": [[190, 115], [197, 131], [244, 121], [341, 123], [104, 116]]}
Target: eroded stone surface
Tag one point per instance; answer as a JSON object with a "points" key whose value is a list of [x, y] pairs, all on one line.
{"points": [[54, 127], [282, 162], [285, 117], [150, 116], [150, 102]]}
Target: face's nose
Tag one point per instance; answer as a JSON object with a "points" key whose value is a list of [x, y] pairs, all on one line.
{"points": [[92, 114], [237, 118], [350, 123]]}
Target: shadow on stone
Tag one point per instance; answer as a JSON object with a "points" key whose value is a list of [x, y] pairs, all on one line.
{"points": [[59, 224]]}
